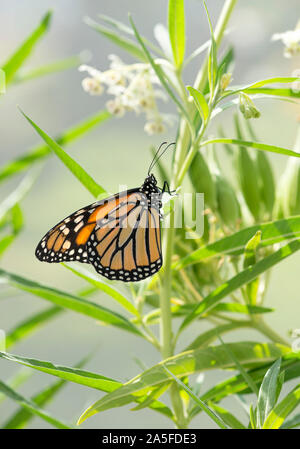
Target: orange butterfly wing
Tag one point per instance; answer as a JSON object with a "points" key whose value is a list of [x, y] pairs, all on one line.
{"points": [[119, 236], [67, 240], [126, 245]]}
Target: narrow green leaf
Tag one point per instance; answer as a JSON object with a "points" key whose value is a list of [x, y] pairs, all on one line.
{"points": [[267, 393], [17, 220], [237, 384], [247, 175], [252, 417], [277, 416], [154, 394], [214, 416], [176, 22], [32, 407], [206, 338], [258, 96], [273, 92], [272, 232], [291, 423], [228, 418], [153, 317], [107, 288], [24, 75], [33, 323], [267, 181], [126, 44], [69, 301], [257, 145], [79, 376], [2, 82], [26, 327], [212, 57], [280, 382], [240, 368], [162, 36], [121, 27], [203, 180], [241, 279], [250, 249], [18, 379], [82, 377], [248, 309], [196, 53], [12, 65], [228, 205], [259, 84], [17, 195], [21, 163], [22, 417], [278, 79], [5, 243], [200, 102], [73, 166], [185, 364]]}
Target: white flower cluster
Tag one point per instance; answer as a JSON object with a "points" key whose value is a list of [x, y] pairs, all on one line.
{"points": [[132, 87], [291, 40]]}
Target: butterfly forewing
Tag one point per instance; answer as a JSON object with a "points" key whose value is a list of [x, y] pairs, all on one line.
{"points": [[67, 240]]}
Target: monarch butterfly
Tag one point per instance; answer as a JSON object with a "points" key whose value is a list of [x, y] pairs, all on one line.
{"points": [[120, 235]]}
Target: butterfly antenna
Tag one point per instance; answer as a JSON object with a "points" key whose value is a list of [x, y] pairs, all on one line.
{"points": [[157, 156], [153, 162]]}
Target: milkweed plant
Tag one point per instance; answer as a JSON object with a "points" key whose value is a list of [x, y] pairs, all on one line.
{"points": [[214, 279]]}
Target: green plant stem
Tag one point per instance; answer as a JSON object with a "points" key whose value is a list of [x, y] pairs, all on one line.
{"points": [[219, 33], [166, 333], [190, 156], [259, 324], [183, 142], [201, 80], [150, 336]]}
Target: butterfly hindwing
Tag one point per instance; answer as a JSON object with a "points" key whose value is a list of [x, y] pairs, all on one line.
{"points": [[124, 246]]}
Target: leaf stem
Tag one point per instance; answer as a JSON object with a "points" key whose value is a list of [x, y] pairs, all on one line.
{"points": [[259, 324]]}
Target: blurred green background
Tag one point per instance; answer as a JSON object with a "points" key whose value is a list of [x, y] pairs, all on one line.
{"points": [[117, 152]]}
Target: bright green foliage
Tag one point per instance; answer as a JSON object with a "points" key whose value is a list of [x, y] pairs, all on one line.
{"points": [[268, 393], [202, 180], [176, 23], [15, 61], [32, 407], [217, 281], [72, 165]]}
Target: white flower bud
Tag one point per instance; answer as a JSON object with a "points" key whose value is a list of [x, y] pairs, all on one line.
{"points": [[113, 77], [247, 107], [92, 86], [291, 40], [225, 80], [154, 128], [131, 87], [147, 103], [115, 108]]}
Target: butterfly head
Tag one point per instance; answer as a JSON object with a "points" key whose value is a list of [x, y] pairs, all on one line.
{"points": [[150, 185]]}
